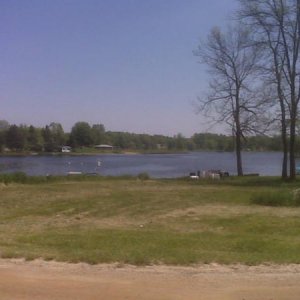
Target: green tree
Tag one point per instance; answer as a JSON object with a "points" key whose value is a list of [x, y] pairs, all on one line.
{"points": [[58, 135], [34, 139], [98, 134], [180, 143], [81, 135], [49, 145], [15, 138], [4, 125]]}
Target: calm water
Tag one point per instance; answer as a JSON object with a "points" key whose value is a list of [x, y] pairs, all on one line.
{"points": [[156, 165]]}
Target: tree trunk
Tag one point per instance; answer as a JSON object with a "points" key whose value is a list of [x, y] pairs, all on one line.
{"points": [[292, 145], [284, 171], [238, 145], [238, 151], [238, 136]]}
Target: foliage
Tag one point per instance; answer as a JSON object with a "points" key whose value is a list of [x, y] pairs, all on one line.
{"points": [[143, 176], [52, 137], [81, 134], [34, 139], [15, 137], [98, 134]]}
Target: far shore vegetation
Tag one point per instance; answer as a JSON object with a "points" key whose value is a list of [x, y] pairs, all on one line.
{"points": [[142, 221], [84, 139]]}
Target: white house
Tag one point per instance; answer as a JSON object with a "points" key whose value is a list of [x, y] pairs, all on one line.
{"points": [[66, 149]]}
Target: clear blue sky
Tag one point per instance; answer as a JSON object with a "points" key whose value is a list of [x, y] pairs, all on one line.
{"points": [[127, 64]]}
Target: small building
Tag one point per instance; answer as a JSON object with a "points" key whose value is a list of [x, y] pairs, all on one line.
{"points": [[66, 149], [104, 147]]}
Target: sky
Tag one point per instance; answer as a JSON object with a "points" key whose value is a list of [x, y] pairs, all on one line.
{"points": [[127, 64]]}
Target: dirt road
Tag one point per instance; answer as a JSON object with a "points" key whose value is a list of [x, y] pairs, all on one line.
{"points": [[39, 280]]}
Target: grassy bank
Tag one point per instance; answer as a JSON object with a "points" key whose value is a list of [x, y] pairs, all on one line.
{"points": [[128, 220]]}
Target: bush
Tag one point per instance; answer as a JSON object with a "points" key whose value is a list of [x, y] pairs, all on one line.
{"points": [[277, 198], [143, 176], [296, 197], [19, 177]]}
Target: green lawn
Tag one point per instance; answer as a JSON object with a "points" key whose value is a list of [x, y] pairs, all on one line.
{"points": [[127, 220]]}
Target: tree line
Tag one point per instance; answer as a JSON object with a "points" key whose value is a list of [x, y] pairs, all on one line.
{"points": [[255, 75], [51, 138]]}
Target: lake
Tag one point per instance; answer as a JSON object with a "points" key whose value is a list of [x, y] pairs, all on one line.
{"points": [[156, 165]]}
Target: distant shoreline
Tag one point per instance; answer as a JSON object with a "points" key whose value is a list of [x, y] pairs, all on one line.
{"points": [[95, 153], [125, 152]]}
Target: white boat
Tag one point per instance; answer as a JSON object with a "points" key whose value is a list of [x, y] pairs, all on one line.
{"points": [[74, 173]]}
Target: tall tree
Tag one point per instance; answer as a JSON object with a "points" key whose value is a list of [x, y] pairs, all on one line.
{"points": [[57, 134], [34, 139], [275, 25], [81, 134], [4, 125], [98, 133], [15, 138], [48, 139], [232, 64]]}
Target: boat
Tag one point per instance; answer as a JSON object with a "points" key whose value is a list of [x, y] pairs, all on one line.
{"points": [[74, 173]]}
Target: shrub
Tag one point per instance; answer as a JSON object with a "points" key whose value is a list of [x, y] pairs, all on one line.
{"points": [[19, 177], [143, 176], [296, 197], [277, 198]]}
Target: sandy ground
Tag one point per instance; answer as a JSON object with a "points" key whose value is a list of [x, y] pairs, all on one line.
{"points": [[39, 280]]}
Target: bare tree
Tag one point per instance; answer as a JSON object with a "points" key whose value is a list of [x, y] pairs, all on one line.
{"points": [[232, 63], [275, 25]]}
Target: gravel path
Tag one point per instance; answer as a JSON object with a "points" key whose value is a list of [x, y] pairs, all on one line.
{"points": [[40, 280]]}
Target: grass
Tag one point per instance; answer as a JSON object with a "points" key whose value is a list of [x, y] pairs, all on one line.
{"points": [[143, 221], [277, 198]]}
